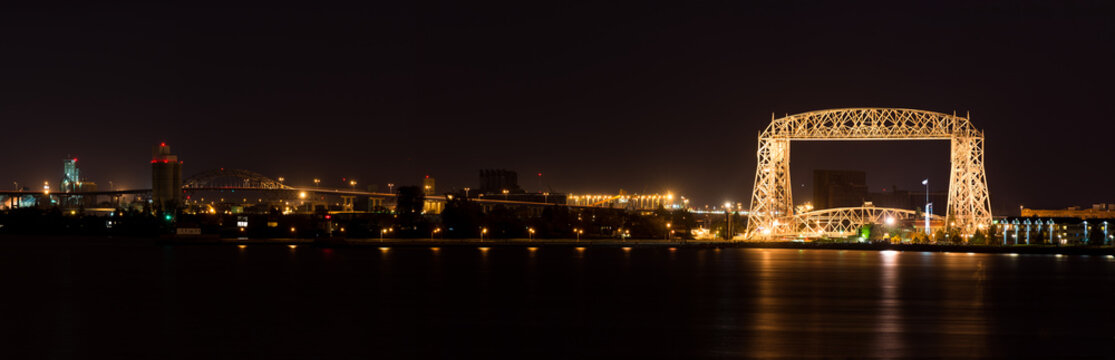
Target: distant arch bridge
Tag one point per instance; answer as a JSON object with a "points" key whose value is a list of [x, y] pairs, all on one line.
{"points": [[846, 221]]}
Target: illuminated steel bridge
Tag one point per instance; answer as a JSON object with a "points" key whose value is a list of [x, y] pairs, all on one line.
{"points": [[771, 215]]}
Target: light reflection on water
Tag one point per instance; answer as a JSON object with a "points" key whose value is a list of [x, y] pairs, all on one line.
{"points": [[606, 301], [888, 321]]}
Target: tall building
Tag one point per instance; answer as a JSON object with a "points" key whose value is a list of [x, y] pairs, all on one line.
{"points": [[496, 181], [71, 176], [428, 186], [893, 197], [848, 188], [839, 188], [166, 178]]}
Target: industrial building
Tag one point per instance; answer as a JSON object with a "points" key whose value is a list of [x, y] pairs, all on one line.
{"points": [[166, 179]]}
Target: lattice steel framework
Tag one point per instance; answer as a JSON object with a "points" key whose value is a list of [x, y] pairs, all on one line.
{"points": [[846, 221], [232, 178], [969, 207]]}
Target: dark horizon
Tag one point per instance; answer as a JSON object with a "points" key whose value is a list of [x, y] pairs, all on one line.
{"points": [[597, 98]]}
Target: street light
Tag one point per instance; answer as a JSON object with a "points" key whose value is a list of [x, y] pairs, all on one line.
{"points": [[530, 234], [436, 230], [578, 232], [669, 231], [483, 231], [353, 184], [466, 193], [505, 194], [317, 182]]}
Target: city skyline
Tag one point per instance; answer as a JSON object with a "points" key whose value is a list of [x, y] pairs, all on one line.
{"points": [[741, 179], [389, 94]]}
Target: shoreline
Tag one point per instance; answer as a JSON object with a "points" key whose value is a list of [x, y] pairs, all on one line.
{"points": [[567, 243]]}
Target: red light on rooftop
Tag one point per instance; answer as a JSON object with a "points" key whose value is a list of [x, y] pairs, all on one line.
{"points": [[75, 159], [427, 176], [327, 217], [162, 143]]}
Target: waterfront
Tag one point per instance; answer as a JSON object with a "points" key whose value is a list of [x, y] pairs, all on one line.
{"points": [[134, 299]]}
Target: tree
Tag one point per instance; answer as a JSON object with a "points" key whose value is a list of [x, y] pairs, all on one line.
{"points": [[409, 204], [461, 218], [978, 238], [941, 237], [918, 237]]}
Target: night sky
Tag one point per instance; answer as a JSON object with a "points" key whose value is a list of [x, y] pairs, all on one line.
{"points": [[598, 97]]}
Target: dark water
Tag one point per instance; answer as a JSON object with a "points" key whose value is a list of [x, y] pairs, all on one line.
{"points": [[271, 301]]}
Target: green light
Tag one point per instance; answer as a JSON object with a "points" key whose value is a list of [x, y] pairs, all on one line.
{"points": [[168, 217]]}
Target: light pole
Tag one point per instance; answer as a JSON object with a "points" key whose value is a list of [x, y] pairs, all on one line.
{"points": [[432, 233], [353, 184], [390, 188], [466, 193], [530, 234], [928, 206], [578, 232], [504, 191], [483, 231], [1085, 231], [317, 182], [668, 231]]}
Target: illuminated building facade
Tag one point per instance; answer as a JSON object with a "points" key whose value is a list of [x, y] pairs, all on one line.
{"points": [[667, 201], [1057, 230], [1098, 211]]}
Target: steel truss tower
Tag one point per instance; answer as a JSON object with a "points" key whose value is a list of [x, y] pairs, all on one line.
{"points": [[771, 215]]}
